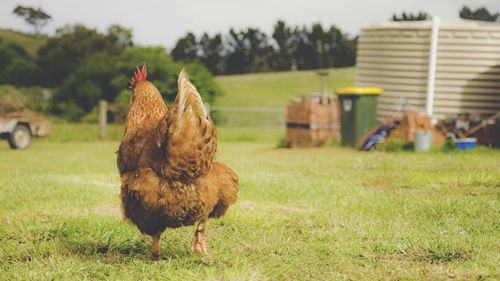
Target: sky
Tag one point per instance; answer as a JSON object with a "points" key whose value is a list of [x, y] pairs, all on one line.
{"points": [[157, 22]]}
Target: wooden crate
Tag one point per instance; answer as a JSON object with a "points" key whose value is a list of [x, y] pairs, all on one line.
{"points": [[305, 137], [312, 122], [313, 111]]}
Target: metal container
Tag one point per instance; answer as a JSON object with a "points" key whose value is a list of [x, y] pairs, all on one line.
{"points": [[423, 140]]}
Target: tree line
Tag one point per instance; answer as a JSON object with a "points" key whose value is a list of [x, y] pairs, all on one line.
{"points": [[481, 14], [251, 50], [287, 48], [83, 66]]}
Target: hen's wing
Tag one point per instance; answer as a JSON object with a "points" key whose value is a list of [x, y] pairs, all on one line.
{"points": [[138, 148], [187, 135], [225, 180]]}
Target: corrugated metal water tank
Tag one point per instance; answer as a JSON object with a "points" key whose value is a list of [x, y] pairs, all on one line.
{"points": [[395, 56]]}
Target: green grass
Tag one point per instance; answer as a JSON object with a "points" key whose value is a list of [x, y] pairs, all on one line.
{"points": [[279, 88], [303, 214], [83, 132], [30, 42]]}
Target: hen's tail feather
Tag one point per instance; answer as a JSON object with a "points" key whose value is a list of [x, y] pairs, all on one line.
{"points": [[187, 135], [188, 96]]}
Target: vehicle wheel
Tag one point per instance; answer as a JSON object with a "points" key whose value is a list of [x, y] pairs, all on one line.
{"points": [[20, 137]]}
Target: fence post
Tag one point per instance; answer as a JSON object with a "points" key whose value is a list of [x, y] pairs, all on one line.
{"points": [[102, 119]]}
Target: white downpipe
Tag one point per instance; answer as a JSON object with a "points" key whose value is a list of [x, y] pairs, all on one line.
{"points": [[431, 76]]}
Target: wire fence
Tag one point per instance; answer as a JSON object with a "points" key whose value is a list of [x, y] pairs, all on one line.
{"points": [[221, 115], [248, 116]]}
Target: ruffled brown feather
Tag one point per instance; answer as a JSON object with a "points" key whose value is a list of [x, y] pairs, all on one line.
{"points": [[154, 202]]}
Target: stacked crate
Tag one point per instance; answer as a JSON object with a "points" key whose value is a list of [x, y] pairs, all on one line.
{"points": [[312, 121]]}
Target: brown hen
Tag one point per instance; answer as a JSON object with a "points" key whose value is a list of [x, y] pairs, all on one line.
{"points": [[169, 174]]}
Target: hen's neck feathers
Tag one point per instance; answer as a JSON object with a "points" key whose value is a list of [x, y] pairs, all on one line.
{"points": [[147, 104]]}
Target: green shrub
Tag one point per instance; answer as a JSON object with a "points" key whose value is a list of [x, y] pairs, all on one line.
{"points": [[394, 145], [449, 145]]}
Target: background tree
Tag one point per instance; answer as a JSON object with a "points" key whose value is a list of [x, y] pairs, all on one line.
{"points": [[251, 50], [411, 17], [63, 53], [105, 76], [332, 46], [305, 53], [17, 67], [35, 17], [317, 38], [247, 51], [284, 37], [162, 72], [186, 49], [346, 54], [480, 14], [212, 53], [259, 50], [119, 38], [236, 60], [85, 86]]}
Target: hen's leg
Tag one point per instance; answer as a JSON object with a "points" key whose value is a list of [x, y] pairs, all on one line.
{"points": [[199, 244], [156, 253]]}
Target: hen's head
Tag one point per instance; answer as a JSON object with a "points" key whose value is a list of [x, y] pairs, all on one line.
{"points": [[140, 75], [141, 87]]}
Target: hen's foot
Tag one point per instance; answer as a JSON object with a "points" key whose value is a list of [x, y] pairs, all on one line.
{"points": [[155, 256], [199, 243], [155, 252]]}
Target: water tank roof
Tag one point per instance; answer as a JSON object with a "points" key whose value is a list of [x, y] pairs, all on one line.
{"points": [[456, 24]]}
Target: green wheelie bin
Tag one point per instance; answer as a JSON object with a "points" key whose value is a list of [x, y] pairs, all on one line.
{"points": [[358, 112]]}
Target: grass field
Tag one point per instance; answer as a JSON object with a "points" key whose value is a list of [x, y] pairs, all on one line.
{"points": [[304, 214], [279, 88], [29, 41]]}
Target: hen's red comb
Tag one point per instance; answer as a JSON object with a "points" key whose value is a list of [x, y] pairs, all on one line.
{"points": [[140, 75]]}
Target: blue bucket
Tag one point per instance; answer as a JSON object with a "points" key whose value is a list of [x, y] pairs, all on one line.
{"points": [[467, 143]]}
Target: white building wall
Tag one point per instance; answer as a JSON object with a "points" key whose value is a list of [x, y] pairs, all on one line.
{"points": [[395, 57]]}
